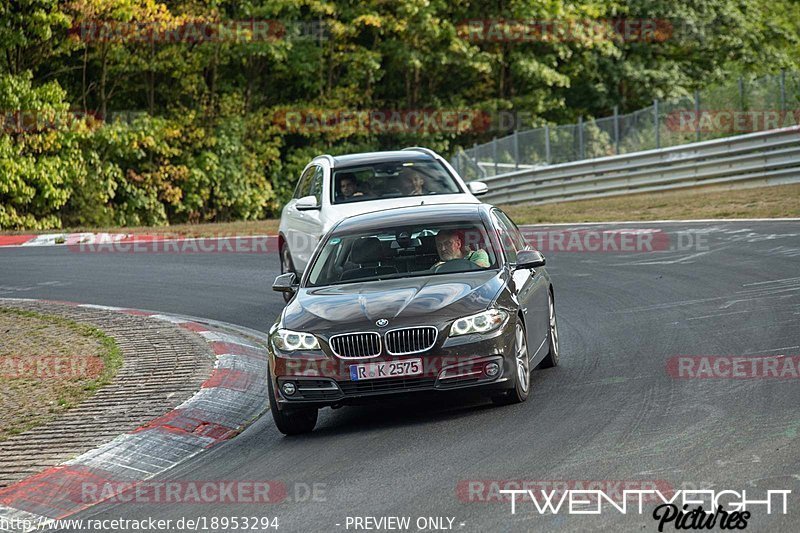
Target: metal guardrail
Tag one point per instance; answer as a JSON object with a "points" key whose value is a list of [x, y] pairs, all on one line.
{"points": [[756, 159], [672, 122]]}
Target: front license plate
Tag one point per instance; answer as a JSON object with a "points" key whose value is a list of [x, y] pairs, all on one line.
{"points": [[386, 369]]}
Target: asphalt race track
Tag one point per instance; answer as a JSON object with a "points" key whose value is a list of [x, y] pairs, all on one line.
{"points": [[612, 411]]}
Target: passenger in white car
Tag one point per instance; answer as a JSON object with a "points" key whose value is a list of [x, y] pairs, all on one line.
{"points": [[412, 183]]}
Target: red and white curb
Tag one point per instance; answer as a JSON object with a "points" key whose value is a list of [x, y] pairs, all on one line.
{"points": [[140, 242], [233, 396], [54, 239]]}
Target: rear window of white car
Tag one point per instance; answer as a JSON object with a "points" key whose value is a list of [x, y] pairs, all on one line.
{"points": [[396, 179]]}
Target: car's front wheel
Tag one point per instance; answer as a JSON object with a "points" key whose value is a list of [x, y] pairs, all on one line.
{"points": [[551, 359], [294, 421], [522, 370]]}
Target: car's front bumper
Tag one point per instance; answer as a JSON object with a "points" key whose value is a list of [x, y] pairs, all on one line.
{"points": [[457, 363]]}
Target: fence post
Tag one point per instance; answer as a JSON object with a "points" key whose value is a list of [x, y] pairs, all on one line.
{"points": [[580, 138], [494, 154], [783, 93], [516, 149], [658, 128], [741, 94], [616, 129], [547, 143], [697, 114]]}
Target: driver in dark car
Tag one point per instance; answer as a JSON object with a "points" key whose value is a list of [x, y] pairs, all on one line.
{"points": [[450, 245]]}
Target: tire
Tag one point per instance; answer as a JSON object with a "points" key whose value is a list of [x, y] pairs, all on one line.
{"points": [[522, 376], [286, 266], [551, 359], [294, 421]]}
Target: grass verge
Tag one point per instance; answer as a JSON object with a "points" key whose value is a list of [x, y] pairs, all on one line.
{"points": [[763, 202], [49, 364]]}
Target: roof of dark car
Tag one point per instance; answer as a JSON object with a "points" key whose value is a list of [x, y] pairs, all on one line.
{"points": [[423, 214], [368, 158]]}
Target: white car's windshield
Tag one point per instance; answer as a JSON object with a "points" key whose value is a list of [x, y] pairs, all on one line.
{"points": [[403, 252], [391, 180]]}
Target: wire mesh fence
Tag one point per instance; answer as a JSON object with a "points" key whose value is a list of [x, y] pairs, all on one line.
{"points": [[731, 108]]}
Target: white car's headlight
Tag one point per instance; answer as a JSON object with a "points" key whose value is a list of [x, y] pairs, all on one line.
{"points": [[480, 323], [290, 341]]}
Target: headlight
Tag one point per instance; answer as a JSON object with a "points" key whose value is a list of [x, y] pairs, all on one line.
{"points": [[481, 323], [290, 341]]}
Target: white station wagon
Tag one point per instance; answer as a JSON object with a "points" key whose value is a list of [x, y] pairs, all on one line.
{"points": [[332, 188]]}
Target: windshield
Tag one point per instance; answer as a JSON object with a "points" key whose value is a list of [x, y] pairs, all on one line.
{"points": [[391, 180], [421, 250]]}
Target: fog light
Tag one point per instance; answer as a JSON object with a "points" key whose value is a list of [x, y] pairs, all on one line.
{"points": [[491, 369], [289, 388]]}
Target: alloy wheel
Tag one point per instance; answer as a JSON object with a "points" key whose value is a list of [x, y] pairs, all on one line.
{"points": [[523, 365]]}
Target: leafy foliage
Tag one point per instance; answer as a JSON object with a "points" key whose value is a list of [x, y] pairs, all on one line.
{"points": [[120, 112]]}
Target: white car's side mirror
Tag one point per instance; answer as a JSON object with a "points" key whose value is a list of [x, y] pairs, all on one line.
{"points": [[307, 203], [478, 188]]}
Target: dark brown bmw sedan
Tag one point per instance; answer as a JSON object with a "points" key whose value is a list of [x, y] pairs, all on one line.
{"points": [[422, 298]]}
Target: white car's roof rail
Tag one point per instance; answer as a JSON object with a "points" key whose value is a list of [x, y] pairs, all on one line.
{"points": [[423, 150], [327, 157]]}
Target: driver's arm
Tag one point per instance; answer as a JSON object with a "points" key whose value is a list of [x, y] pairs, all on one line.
{"points": [[480, 258]]}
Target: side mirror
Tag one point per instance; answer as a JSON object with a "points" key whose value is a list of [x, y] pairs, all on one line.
{"points": [[307, 203], [478, 188], [286, 283], [529, 259]]}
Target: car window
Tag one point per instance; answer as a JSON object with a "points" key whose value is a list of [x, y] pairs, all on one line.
{"points": [[505, 234], [401, 252], [516, 235], [315, 188], [304, 183], [394, 179]]}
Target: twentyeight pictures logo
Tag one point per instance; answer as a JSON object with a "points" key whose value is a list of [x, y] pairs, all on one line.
{"points": [[682, 510], [678, 509]]}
